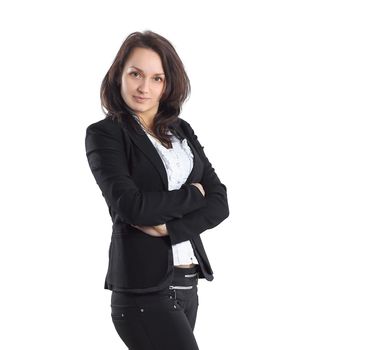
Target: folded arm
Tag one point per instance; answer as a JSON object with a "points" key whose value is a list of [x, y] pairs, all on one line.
{"points": [[108, 162], [209, 216]]}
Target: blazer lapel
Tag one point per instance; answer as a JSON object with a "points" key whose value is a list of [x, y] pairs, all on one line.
{"points": [[142, 142], [145, 144]]}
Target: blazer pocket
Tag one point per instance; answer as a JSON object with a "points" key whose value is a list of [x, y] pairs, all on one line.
{"points": [[138, 260]]}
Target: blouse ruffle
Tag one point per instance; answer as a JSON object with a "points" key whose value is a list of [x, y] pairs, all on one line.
{"points": [[178, 160]]}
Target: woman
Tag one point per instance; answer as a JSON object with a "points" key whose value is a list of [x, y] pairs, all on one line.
{"points": [[162, 193]]}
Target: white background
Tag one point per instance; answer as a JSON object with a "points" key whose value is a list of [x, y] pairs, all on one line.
{"points": [[287, 100]]}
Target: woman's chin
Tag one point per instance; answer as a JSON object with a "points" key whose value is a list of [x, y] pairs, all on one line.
{"points": [[142, 109]]}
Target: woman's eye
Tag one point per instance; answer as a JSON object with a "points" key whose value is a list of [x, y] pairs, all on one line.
{"points": [[134, 74], [159, 79]]}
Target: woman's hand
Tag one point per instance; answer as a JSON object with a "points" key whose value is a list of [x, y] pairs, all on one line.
{"points": [[155, 231], [200, 187]]}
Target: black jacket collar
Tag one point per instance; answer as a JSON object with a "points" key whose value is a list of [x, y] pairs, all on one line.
{"points": [[142, 141]]}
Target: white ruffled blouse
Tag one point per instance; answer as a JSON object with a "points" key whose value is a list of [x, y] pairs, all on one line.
{"points": [[178, 162]]}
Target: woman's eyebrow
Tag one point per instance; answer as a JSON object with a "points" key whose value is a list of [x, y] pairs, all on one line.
{"points": [[143, 71]]}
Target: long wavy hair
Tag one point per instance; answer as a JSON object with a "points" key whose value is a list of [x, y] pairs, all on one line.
{"points": [[177, 88]]}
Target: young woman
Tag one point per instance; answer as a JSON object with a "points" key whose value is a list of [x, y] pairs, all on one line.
{"points": [[162, 193]]}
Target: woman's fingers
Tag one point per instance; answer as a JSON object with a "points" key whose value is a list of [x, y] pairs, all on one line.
{"points": [[200, 187], [162, 229], [150, 230]]}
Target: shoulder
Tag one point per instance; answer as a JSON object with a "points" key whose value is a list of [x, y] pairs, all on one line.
{"points": [[183, 122], [185, 126], [189, 132], [104, 132], [106, 128], [106, 124]]}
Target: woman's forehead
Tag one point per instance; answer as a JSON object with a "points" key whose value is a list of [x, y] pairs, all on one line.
{"points": [[145, 60]]}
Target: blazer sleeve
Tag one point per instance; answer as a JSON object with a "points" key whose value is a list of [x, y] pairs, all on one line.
{"points": [[216, 210], [108, 162]]}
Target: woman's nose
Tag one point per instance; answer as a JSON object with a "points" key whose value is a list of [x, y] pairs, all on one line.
{"points": [[144, 86]]}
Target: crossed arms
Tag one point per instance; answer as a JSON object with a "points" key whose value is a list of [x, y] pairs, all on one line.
{"points": [[186, 211]]}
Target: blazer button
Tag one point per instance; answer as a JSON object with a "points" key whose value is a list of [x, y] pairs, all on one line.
{"points": [[142, 310]]}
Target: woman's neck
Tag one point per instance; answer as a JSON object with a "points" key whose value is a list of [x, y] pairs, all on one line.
{"points": [[146, 120]]}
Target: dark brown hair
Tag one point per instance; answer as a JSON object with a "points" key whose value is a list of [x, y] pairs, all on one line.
{"points": [[177, 84]]}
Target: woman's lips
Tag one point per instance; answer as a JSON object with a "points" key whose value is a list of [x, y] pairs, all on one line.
{"points": [[140, 99]]}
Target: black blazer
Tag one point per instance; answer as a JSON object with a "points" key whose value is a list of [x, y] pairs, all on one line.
{"points": [[133, 181]]}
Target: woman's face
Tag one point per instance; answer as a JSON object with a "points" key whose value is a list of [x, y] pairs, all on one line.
{"points": [[143, 82]]}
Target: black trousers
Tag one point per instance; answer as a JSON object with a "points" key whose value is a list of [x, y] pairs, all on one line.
{"points": [[162, 320]]}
